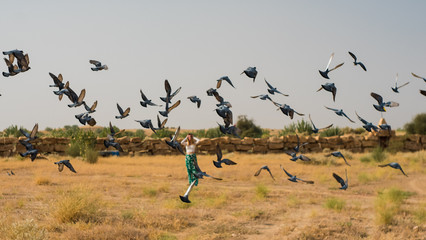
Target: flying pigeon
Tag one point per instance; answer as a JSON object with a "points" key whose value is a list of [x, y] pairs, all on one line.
{"points": [[211, 91], [394, 165], [341, 181], [293, 178], [123, 114], [395, 89], [98, 65], [22, 60], [357, 63], [92, 108], [219, 162], [324, 73], [30, 136], [30, 150], [330, 87], [265, 167], [174, 143], [287, 110], [196, 100], [250, 72], [168, 109], [147, 101], [382, 105], [12, 69], [224, 78], [340, 113], [111, 138], [367, 125], [221, 101], [272, 90], [339, 154], [66, 163], [262, 97], [76, 100], [169, 94]]}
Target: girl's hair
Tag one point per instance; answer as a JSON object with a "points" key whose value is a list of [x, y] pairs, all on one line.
{"points": [[190, 142]]}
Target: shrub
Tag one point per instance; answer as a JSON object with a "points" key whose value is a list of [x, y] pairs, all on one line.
{"points": [[42, 181], [299, 127], [417, 125], [262, 191], [78, 204], [388, 204], [81, 141], [333, 131], [334, 203], [91, 156], [248, 128], [23, 230], [13, 131], [378, 154]]}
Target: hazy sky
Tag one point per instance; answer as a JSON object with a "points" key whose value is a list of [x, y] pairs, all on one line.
{"points": [[193, 43]]}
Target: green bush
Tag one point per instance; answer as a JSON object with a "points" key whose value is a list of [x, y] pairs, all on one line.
{"points": [[299, 127], [334, 203], [163, 133], [91, 156], [13, 131], [248, 128], [388, 204], [333, 131], [261, 191], [378, 154], [417, 125]]}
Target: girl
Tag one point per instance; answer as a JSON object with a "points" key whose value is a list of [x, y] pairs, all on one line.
{"points": [[191, 161]]}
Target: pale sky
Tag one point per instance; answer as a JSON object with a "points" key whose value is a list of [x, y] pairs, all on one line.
{"points": [[193, 43]]}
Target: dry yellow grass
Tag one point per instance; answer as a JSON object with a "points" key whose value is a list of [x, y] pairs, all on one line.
{"points": [[137, 198]]}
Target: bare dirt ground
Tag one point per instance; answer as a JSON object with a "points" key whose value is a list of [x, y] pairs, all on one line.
{"points": [[138, 198]]}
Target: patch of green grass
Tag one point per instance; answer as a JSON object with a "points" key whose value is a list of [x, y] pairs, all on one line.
{"points": [[261, 191], [334, 204], [27, 229], [388, 204], [366, 177], [378, 154], [150, 191]]}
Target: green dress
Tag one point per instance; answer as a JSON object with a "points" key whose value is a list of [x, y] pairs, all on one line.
{"points": [[191, 160]]}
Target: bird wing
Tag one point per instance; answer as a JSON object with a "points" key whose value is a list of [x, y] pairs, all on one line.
{"points": [[258, 172], [423, 92], [60, 166], [96, 63], [361, 119], [336, 67], [25, 133], [68, 164], [392, 104], [111, 129], [174, 138], [143, 96], [176, 92], [378, 98], [55, 79], [333, 109], [305, 181], [313, 125], [228, 162], [288, 174], [404, 84], [82, 95], [126, 112], [329, 61], [334, 91], [320, 89], [290, 153], [347, 117], [339, 179], [120, 110], [362, 66], [219, 83], [173, 106], [218, 152], [384, 165], [304, 158], [329, 126], [269, 85], [167, 87], [255, 96], [353, 56], [270, 173], [417, 76], [92, 108], [34, 131]]}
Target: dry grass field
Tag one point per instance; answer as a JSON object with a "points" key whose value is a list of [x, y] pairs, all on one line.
{"points": [[138, 198]]}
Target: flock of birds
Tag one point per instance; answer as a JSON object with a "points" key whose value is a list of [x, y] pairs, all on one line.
{"points": [[223, 110]]}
